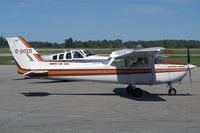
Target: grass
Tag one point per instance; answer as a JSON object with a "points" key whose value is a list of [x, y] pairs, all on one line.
{"points": [[184, 51], [195, 60], [100, 51], [97, 51], [50, 52], [4, 59], [4, 50]]}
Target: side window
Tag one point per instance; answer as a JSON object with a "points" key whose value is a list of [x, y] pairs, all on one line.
{"points": [[61, 56], [55, 57], [133, 61], [139, 61], [77, 55], [68, 56]]}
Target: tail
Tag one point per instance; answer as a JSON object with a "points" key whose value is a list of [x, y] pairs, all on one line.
{"points": [[24, 55]]}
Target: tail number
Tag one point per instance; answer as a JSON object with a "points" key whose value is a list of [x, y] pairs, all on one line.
{"points": [[23, 51]]}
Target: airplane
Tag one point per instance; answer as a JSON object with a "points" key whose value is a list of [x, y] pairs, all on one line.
{"points": [[132, 67], [78, 55]]}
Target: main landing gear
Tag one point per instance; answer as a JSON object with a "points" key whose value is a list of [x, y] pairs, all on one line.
{"points": [[136, 92], [171, 91]]}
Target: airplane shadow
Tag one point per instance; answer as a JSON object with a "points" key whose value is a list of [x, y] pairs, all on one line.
{"points": [[117, 92], [43, 94], [146, 95]]}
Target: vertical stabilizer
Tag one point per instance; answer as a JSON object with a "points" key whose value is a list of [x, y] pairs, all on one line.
{"points": [[23, 53]]}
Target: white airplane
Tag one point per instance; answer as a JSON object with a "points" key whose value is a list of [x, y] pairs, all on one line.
{"points": [[133, 67], [80, 55]]}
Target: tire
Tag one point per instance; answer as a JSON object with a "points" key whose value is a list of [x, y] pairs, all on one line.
{"points": [[172, 92], [129, 89], [137, 92]]}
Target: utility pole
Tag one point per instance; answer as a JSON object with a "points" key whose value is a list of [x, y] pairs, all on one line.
{"points": [[110, 47]]}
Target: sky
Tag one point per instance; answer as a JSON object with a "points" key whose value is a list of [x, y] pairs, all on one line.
{"points": [[57, 20]]}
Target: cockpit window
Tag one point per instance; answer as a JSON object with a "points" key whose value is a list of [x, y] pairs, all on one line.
{"points": [[132, 62], [139, 61], [77, 55], [119, 63], [107, 61], [89, 53]]}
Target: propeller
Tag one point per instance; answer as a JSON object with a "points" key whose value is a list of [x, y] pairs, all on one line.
{"points": [[188, 62], [190, 66]]}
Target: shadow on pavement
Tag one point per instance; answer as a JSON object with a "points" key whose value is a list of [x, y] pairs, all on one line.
{"points": [[117, 92], [146, 95]]}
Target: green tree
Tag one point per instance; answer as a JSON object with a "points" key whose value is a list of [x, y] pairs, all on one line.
{"points": [[69, 43], [3, 42], [116, 43]]}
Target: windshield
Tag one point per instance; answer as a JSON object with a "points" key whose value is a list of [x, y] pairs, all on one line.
{"points": [[157, 59], [89, 53], [107, 61]]}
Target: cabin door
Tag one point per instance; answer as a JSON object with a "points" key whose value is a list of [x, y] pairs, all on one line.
{"points": [[141, 70]]}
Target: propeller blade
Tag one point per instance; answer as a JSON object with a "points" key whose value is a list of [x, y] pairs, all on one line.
{"points": [[190, 76], [189, 69], [188, 54]]}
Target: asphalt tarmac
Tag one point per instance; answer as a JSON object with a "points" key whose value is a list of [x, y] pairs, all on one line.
{"points": [[49, 106]]}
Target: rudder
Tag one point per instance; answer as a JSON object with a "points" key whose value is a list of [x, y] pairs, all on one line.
{"points": [[23, 53]]}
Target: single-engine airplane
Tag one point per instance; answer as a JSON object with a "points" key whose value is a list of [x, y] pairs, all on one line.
{"points": [[133, 67]]}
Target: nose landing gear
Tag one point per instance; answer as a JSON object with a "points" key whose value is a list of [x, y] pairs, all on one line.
{"points": [[171, 91]]}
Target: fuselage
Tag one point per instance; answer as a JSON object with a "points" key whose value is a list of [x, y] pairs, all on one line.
{"points": [[123, 66], [162, 72]]}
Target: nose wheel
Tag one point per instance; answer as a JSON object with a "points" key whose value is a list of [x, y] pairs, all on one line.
{"points": [[171, 91]]}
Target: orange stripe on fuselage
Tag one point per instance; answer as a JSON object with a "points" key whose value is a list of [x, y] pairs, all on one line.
{"points": [[88, 72], [109, 72], [169, 70], [96, 72], [172, 63]]}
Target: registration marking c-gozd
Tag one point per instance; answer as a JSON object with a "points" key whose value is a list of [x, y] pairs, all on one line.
{"points": [[23, 51]]}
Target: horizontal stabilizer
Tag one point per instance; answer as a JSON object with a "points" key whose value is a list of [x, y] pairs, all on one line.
{"points": [[36, 73]]}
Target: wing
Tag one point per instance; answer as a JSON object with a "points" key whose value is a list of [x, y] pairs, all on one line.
{"points": [[124, 54]]}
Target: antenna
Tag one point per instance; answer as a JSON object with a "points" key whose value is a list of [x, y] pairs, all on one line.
{"points": [[122, 46]]}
